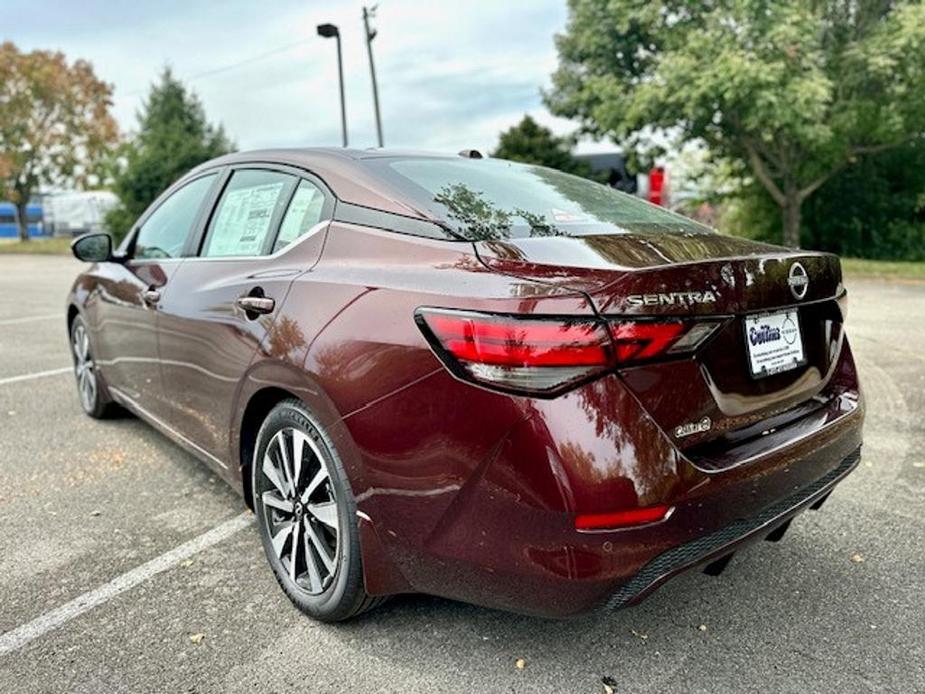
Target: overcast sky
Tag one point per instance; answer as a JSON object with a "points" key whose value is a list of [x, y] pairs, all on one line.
{"points": [[451, 75]]}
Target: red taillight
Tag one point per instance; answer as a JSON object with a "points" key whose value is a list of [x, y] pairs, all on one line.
{"points": [[621, 519], [638, 340], [518, 342], [548, 354], [521, 354]]}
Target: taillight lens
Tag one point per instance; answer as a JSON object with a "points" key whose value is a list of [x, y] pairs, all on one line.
{"points": [[519, 354], [547, 355]]}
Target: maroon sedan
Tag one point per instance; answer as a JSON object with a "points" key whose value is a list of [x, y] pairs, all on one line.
{"points": [[469, 377]]}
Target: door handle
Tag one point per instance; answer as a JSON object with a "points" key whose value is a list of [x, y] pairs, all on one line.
{"points": [[151, 296], [256, 304]]}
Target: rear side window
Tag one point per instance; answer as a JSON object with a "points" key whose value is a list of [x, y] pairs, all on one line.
{"points": [[164, 233], [244, 218], [304, 212], [493, 199]]}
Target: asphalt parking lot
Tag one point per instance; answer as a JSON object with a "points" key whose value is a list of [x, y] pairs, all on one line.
{"points": [[836, 607]]}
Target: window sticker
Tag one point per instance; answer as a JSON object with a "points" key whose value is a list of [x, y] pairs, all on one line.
{"points": [[244, 219]]}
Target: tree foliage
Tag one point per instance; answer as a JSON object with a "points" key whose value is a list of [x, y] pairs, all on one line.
{"points": [[532, 143], [173, 137], [791, 91], [873, 210], [55, 124]]}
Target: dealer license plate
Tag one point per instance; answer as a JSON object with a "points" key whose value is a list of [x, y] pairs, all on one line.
{"points": [[774, 342]]}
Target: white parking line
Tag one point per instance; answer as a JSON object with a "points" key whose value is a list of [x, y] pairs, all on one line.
{"points": [[37, 374], [20, 636], [32, 319]]}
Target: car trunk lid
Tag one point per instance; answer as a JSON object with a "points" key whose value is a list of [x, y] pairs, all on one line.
{"points": [[713, 394]]}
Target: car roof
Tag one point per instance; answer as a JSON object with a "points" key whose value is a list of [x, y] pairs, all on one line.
{"points": [[342, 169]]}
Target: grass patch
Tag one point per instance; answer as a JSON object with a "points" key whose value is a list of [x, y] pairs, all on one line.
{"points": [[886, 269], [58, 245]]}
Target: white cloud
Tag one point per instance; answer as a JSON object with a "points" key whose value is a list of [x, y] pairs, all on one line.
{"points": [[451, 75]]}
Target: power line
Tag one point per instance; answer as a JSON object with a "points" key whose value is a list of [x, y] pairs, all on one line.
{"points": [[233, 66]]}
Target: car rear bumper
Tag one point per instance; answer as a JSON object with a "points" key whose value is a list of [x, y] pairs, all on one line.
{"points": [[502, 532], [727, 539]]}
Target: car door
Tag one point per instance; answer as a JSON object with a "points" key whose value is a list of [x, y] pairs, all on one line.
{"points": [[222, 303], [129, 294]]}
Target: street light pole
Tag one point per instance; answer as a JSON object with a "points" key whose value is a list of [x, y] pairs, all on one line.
{"points": [[370, 35], [327, 31]]}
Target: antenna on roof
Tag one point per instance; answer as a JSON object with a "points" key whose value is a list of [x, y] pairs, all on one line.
{"points": [[471, 154]]}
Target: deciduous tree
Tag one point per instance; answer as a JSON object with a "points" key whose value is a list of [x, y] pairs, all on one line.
{"points": [[792, 91], [55, 123]]}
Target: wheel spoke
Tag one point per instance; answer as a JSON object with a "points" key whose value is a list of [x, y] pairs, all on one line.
{"points": [[298, 440], [294, 554], [326, 559], [279, 540], [284, 461], [314, 576], [319, 477], [274, 500], [272, 474], [325, 513]]}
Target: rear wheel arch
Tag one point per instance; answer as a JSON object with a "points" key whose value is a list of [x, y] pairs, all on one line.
{"points": [[256, 411]]}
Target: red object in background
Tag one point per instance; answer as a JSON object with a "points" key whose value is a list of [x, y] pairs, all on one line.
{"points": [[657, 185]]}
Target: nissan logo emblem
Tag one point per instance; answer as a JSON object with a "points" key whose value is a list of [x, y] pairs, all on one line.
{"points": [[798, 280]]}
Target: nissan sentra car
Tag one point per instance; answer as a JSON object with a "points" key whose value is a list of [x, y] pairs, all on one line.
{"points": [[469, 377]]}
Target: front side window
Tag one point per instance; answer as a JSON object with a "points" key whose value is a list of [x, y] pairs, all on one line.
{"points": [[494, 199], [304, 212], [164, 233], [244, 217]]}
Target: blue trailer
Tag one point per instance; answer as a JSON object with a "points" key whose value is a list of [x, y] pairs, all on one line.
{"points": [[8, 220]]}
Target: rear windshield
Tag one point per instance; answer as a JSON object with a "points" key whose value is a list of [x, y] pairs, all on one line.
{"points": [[493, 199]]}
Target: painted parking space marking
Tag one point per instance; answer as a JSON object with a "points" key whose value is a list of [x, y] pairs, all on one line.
{"points": [[31, 319], [36, 374], [22, 635]]}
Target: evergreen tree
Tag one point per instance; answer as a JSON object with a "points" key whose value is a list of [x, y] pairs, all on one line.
{"points": [[173, 137], [531, 143]]}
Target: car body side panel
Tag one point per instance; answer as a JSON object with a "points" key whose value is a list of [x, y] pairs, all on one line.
{"points": [[207, 341], [123, 325], [358, 344]]}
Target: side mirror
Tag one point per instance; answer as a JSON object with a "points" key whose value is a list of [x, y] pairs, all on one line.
{"points": [[92, 248]]}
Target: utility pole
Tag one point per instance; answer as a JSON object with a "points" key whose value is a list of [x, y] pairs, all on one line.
{"points": [[331, 31], [370, 35]]}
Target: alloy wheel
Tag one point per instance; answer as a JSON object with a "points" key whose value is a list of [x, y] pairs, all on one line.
{"points": [[300, 508], [84, 367]]}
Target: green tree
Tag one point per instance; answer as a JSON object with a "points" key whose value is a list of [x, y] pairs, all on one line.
{"points": [[531, 143], [790, 91], [55, 124], [873, 210], [173, 137]]}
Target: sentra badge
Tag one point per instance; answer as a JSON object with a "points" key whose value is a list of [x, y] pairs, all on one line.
{"points": [[672, 299]]}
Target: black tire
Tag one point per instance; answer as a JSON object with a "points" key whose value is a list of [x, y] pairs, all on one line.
{"points": [[284, 497], [91, 387]]}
